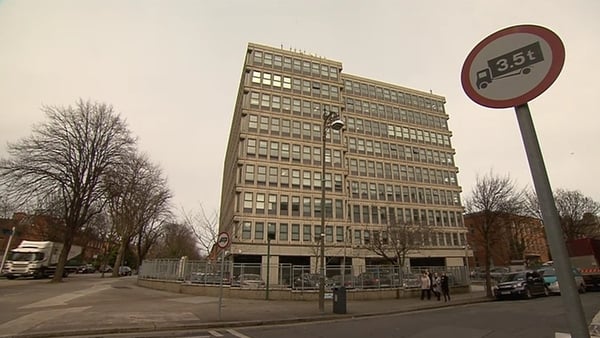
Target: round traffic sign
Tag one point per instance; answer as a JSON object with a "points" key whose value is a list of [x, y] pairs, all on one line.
{"points": [[512, 66], [223, 240]]}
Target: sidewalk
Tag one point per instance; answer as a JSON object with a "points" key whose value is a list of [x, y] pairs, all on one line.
{"points": [[200, 312]]}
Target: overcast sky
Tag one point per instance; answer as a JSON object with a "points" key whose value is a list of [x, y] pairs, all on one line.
{"points": [[172, 69]]}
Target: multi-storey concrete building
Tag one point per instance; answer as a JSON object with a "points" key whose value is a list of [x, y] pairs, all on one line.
{"points": [[393, 161]]}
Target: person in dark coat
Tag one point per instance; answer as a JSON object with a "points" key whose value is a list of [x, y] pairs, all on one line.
{"points": [[445, 287]]}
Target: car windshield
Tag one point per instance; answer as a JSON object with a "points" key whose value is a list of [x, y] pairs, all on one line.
{"points": [[511, 277]]}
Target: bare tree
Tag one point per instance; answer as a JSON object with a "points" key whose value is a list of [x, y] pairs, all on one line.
{"points": [[65, 159], [578, 214], [394, 241], [137, 196], [177, 240], [204, 227], [491, 200], [572, 208]]}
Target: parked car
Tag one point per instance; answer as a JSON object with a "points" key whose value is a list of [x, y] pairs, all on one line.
{"points": [[549, 274], [311, 281], [208, 278], [368, 280], [87, 268], [125, 271], [497, 272], [349, 281], [411, 281], [249, 280], [526, 284]]}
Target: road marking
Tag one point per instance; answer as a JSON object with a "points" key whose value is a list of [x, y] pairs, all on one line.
{"points": [[31, 320], [237, 334], [64, 298], [215, 334]]}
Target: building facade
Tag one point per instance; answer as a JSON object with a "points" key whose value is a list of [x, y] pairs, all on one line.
{"points": [[392, 162], [514, 239]]}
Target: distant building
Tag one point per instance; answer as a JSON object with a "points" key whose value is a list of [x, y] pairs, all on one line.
{"points": [[517, 238], [392, 161], [42, 228]]}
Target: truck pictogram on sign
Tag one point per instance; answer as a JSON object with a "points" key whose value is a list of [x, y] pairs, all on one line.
{"points": [[517, 62]]}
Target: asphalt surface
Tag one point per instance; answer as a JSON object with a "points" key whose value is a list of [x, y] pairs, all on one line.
{"points": [[154, 311]]}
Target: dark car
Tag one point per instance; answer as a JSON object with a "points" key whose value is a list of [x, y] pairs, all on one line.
{"points": [[310, 281], [368, 280], [87, 268], [525, 284], [348, 281]]}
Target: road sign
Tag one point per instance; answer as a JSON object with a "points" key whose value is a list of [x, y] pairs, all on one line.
{"points": [[512, 66], [223, 240]]}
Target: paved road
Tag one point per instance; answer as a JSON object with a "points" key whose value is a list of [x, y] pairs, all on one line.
{"points": [[102, 306]]}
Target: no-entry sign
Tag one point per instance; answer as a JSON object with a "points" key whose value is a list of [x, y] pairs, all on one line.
{"points": [[512, 66]]}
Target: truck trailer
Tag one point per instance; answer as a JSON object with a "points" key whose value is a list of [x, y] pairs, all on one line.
{"points": [[37, 259], [585, 257]]}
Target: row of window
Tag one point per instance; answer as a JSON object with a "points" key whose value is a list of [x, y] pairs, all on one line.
{"points": [[276, 151], [396, 151], [389, 113], [260, 203], [371, 91], [394, 171], [281, 178], [402, 194], [316, 69], [307, 108], [266, 124], [296, 65], [308, 233], [289, 128], [296, 85]]}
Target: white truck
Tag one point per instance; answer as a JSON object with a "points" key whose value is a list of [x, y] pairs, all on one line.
{"points": [[36, 259]]}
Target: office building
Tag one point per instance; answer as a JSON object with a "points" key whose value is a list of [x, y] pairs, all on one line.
{"points": [[391, 164]]}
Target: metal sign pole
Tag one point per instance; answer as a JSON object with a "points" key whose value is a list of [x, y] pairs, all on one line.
{"points": [[568, 289], [221, 282]]}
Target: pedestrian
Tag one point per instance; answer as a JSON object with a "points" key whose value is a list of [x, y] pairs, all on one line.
{"points": [[445, 287], [436, 287], [425, 286]]}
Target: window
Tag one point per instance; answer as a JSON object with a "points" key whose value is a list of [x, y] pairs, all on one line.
{"points": [[262, 148], [283, 232], [274, 151], [329, 233], [306, 207], [246, 230], [249, 176], [295, 232], [261, 176], [295, 205], [259, 230], [285, 177], [306, 179], [339, 234], [260, 203], [272, 204], [248, 202], [307, 233], [273, 176], [295, 178], [284, 205]]}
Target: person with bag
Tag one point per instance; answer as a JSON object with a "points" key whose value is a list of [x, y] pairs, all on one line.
{"points": [[425, 286]]}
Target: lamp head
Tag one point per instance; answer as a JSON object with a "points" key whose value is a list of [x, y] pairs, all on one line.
{"points": [[337, 124]]}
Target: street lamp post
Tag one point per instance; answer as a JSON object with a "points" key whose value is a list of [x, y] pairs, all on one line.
{"points": [[331, 120], [467, 275]]}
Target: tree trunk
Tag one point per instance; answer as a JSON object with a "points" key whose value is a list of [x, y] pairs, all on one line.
{"points": [[62, 259]]}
